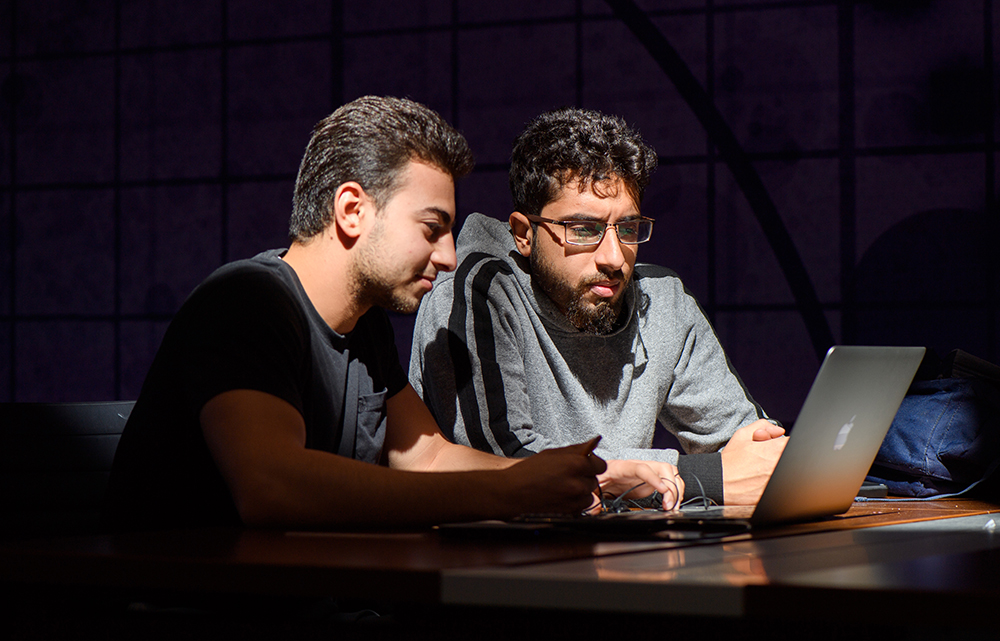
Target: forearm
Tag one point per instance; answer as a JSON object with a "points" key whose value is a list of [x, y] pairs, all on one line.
{"points": [[319, 489], [414, 442], [450, 457], [257, 441], [258, 444]]}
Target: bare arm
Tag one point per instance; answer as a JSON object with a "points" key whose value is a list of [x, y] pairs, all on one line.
{"points": [[414, 441], [258, 442]]}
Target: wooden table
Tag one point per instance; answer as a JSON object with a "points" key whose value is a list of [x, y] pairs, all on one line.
{"points": [[909, 558], [912, 566]]}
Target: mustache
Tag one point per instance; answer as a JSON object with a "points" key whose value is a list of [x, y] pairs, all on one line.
{"points": [[602, 276]]}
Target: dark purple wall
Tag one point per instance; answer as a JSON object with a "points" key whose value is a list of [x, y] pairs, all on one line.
{"points": [[143, 143]]}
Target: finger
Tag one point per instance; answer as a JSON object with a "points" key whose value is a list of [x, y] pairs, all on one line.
{"points": [[679, 483], [597, 464], [652, 478], [587, 501], [670, 501], [595, 504], [672, 497]]}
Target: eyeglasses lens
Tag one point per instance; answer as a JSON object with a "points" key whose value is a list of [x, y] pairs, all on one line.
{"points": [[630, 233]]}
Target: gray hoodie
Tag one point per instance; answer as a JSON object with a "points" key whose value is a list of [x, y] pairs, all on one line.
{"points": [[504, 371]]}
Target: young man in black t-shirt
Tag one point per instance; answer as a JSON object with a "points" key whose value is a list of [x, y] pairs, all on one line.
{"points": [[277, 397]]}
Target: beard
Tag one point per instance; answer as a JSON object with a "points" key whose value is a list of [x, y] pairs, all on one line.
{"points": [[594, 318], [374, 282]]}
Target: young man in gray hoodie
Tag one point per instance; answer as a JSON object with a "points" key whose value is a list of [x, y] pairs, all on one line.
{"points": [[548, 332]]}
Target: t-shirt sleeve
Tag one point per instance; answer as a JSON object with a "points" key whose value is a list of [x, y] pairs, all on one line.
{"points": [[241, 331]]}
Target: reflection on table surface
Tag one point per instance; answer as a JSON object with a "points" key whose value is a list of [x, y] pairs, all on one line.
{"points": [[915, 565]]}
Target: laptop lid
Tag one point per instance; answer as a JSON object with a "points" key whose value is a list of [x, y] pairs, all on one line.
{"points": [[837, 434]]}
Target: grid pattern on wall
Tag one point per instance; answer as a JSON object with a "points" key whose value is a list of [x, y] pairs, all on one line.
{"points": [[146, 142]]}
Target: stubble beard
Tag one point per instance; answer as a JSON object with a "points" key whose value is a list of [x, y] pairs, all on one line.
{"points": [[374, 283], [593, 318]]}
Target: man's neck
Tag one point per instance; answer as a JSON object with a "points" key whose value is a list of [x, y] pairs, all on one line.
{"points": [[323, 269]]}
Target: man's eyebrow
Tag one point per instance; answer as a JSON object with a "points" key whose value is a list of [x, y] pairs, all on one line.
{"points": [[600, 219], [582, 216], [443, 214]]}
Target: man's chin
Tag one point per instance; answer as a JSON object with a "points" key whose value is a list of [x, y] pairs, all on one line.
{"points": [[600, 318], [399, 300], [406, 304]]}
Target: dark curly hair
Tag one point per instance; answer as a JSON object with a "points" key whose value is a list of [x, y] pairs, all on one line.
{"points": [[369, 141], [569, 144]]}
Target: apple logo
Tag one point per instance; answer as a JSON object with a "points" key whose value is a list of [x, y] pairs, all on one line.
{"points": [[842, 434]]}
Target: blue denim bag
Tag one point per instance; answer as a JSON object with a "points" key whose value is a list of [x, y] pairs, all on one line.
{"points": [[945, 437]]}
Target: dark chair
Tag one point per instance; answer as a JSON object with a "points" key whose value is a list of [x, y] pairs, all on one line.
{"points": [[55, 459]]}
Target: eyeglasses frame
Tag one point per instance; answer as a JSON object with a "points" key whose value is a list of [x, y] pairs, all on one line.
{"points": [[563, 223]]}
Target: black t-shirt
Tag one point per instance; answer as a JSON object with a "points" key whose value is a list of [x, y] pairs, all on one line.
{"points": [[250, 326]]}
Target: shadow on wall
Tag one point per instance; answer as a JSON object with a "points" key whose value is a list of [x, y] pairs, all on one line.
{"points": [[932, 280]]}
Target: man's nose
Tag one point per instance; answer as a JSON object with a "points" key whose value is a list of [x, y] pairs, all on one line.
{"points": [[609, 250], [444, 253]]}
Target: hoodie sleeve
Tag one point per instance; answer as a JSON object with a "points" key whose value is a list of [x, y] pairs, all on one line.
{"points": [[465, 363]]}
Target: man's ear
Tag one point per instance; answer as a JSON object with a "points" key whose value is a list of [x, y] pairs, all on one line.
{"points": [[349, 207], [520, 227]]}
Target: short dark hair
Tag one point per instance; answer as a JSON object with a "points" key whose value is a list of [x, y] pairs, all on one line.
{"points": [[569, 144], [369, 141]]}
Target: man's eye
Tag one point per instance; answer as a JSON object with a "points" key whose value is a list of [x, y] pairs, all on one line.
{"points": [[628, 230], [585, 231]]}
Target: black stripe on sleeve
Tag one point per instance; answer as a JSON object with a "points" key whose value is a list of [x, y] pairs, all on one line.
{"points": [[496, 402]]}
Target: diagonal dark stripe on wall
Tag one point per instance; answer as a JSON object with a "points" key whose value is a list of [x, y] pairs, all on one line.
{"points": [[739, 164]]}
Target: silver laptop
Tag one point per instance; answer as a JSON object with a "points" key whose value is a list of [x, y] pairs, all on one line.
{"points": [[831, 447], [836, 436]]}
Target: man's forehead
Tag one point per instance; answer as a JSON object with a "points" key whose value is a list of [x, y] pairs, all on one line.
{"points": [[595, 198], [429, 187]]}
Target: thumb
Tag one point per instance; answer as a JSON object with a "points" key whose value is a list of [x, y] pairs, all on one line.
{"points": [[585, 448], [768, 432]]}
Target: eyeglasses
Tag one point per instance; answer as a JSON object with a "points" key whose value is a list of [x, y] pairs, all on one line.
{"points": [[589, 232]]}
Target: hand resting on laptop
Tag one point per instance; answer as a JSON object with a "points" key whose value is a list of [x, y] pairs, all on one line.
{"points": [[748, 460]]}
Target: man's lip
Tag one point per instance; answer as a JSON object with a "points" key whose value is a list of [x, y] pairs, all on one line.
{"points": [[605, 288]]}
